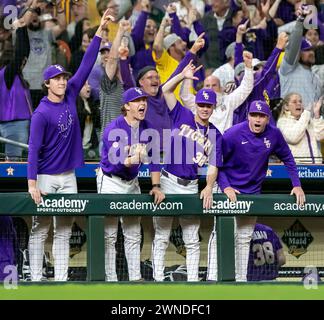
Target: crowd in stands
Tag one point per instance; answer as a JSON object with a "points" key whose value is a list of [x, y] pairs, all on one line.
{"points": [[144, 46], [191, 66]]}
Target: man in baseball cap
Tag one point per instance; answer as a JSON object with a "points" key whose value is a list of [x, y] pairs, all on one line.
{"points": [[169, 40], [53, 71], [133, 94], [260, 107], [259, 116], [135, 103], [246, 149], [206, 96], [106, 46]]}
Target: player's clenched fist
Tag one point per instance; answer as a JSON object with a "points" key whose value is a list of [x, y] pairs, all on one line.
{"points": [[247, 58], [282, 40]]}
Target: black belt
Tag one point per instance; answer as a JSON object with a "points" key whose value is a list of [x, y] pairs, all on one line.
{"points": [[182, 182], [110, 176]]}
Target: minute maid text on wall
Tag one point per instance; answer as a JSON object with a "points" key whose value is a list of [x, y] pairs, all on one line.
{"points": [[62, 205], [226, 206]]}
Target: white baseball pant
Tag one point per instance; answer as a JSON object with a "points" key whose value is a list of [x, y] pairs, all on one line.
{"points": [[212, 267], [55, 183], [190, 232], [130, 225], [244, 227], [243, 230]]}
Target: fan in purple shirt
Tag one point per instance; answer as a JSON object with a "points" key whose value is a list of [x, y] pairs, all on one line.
{"points": [[246, 150], [194, 141], [55, 150], [266, 254]]}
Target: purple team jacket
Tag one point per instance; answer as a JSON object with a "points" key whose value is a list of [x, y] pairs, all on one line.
{"points": [[55, 144]]}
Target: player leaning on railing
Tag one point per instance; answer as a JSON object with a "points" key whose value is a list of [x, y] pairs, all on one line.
{"points": [[246, 150]]}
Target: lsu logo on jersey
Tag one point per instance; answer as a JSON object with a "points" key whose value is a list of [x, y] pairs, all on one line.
{"points": [[267, 143]]}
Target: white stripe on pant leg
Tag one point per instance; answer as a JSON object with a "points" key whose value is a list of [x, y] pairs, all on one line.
{"points": [[243, 235], [162, 228], [190, 234], [111, 229], [132, 241], [212, 267], [38, 236], [61, 246]]}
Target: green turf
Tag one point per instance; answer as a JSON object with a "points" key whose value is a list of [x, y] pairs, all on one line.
{"points": [[162, 292]]}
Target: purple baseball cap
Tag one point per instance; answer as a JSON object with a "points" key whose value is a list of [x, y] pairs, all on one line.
{"points": [[207, 96], [106, 46], [53, 71], [133, 94], [260, 107], [306, 45]]}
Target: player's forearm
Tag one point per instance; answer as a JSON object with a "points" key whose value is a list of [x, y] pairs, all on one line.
{"points": [[31, 184], [171, 84], [186, 96], [211, 176], [155, 177]]}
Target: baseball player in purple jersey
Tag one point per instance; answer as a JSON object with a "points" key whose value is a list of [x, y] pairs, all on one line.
{"points": [[266, 254], [55, 150], [246, 150], [125, 142], [7, 240], [194, 140]]}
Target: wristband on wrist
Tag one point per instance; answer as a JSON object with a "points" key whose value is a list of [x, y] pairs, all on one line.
{"points": [[157, 185]]}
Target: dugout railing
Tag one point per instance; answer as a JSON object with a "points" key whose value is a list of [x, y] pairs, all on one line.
{"points": [[95, 207]]}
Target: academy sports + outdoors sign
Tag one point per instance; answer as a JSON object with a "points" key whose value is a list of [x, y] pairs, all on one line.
{"points": [[142, 205]]}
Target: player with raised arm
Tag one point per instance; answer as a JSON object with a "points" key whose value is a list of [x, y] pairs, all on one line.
{"points": [[194, 142], [55, 150]]}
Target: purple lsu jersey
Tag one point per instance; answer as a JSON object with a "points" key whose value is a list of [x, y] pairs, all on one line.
{"points": [[263, 261], [192, 145]]}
